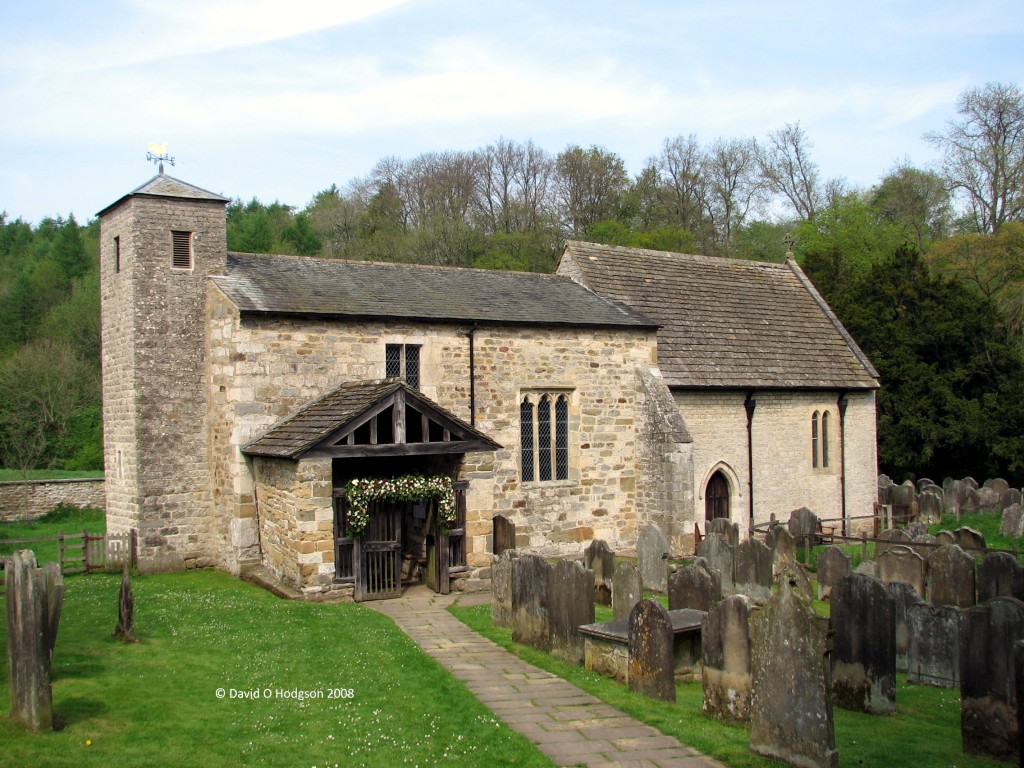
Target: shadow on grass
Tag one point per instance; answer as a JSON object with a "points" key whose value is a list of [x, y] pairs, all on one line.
{"points": [[76, 710]]}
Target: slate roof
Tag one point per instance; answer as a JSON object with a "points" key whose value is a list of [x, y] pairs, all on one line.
{"points": [[259, 283], [162, 185], [728, 322], [315, 421]]}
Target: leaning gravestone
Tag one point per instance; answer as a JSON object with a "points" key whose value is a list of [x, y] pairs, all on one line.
{"points": [[900, 563], [600, 559], [651, 655], [725, 638], [34, 598], [693, 586], [531, 624], [803, 523], [501, 588], [719, 553], [1000, 576], [988, 694], [504, 535], [951, 577], [903, 596], [783, 547], [571, 604], [863, 621], [970, 540], [1011, 523], [752, 570], [833, 565], [790, 701], [626, 590], [933, 656], [652, 559]]}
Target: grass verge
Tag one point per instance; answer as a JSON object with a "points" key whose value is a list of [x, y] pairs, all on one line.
{"points": [[62, 519], [155, 703], [18, 475], [925, 730]]}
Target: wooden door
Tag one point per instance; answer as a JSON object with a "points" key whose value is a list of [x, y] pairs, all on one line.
{"points": [[379, 574], [716, 497], [438, 578]]}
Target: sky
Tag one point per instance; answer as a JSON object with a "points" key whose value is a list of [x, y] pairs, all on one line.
{"points": [[278, 100]]}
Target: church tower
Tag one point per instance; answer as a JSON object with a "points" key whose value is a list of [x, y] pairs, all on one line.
{"points": [[158, 245]]}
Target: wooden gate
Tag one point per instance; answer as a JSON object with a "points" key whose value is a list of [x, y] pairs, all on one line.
{"points": [[379, 553]]}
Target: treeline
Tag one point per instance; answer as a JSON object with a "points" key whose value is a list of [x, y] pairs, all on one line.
{"points": [[926, 267]]}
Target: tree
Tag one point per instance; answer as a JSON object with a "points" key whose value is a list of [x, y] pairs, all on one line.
{"points": [[787, 170], [680, 171], [589, 184], [733, 188], [983, 153], [916, 201]]}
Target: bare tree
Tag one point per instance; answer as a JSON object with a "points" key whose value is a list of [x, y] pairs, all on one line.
{"points": [[983, 153], [788, 170], [733, 187], [513, 186], [590, 184], [684, 188]]}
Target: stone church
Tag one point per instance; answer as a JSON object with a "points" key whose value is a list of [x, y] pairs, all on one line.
{"points": [[349, 426]]}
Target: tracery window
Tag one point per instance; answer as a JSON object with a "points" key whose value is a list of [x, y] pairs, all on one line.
{"points": [[544, 436]]}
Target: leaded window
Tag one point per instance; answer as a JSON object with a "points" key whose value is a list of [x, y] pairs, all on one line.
{"points": [[544, 436], [402, 361]]}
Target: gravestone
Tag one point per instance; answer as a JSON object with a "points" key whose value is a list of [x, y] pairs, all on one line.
{"points": [[723, 527], [1000, 486], [1011, 523], [885, 486], [870, 568], [652, 559], [802, 523], [970, 540], [125, 629], [626, 590], [501, 588], [989, 501], [915, 529], [783, 547], [924, 482], [790, 700], [504, 535], [951, 577], [889, 538], [1014, 496], [924, 544], [719, 553], [988, 691], [694, 586], [929, 506], [833, 565], [752, 570], [945, 537], [953, 496], [34, 599], [863, 622], [903, 597], [1000, 576], [904, 496], [900, 563], [600, 559], [971, 501], [651, 653], [725, 636], [970, 482], [531, 623], [933, 657], [570, 605]]}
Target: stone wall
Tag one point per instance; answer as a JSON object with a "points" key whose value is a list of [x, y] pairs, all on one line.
{"points": [[31, 499]]}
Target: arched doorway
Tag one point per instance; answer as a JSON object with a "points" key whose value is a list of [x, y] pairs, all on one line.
{"points": [[716, 497]]}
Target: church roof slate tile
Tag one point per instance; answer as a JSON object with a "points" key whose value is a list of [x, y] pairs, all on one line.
{"points": [[259, 283], [728, 322], [163, 185]]}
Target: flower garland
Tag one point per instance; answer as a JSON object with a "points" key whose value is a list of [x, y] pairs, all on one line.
{"points": [[361, 491]]}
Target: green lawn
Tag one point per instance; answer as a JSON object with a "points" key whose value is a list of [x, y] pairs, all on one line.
{"points": [[47, 474], [155, 703], [61, 520], [924, 732]]}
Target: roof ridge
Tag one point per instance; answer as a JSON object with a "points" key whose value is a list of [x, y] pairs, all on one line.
{"points": [[672, 254]]}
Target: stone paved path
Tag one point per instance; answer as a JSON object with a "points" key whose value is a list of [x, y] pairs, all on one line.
{"points": [[567, 724]]}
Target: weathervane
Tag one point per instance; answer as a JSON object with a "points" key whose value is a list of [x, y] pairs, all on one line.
{"points": [[157, 154]]}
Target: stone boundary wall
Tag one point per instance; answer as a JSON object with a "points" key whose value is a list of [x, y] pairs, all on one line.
{"points": [[31, 499]]}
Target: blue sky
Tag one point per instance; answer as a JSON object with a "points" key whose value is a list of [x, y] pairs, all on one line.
{"points": [[278, 100]]}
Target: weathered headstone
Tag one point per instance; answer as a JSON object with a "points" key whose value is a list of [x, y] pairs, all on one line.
{"points": [[504, 534], [719, 553], [971, 501], [790, 699], [626, 590], [752, 570], [600, 559], [1000, 487], [125, 629], [929, 505], [933, 656], [900, 563], [988, 690], [531, 579], [989, 500], [1011, 522], [694, 586], [999, 575], [889, 538], [652, 559], [783, 547], [803, 523], [945, 537], [903, 596], [970, 540], [571, 604], [863, 620], [724, 527], [651, 656], [924, 544], [501, 588], [915, 529], [870, 568], [34, 600], [1014, 496], [951, 577], [970, 482], [725, 637], [953, 496], [833, 565], [903, 497], [924, 482]]}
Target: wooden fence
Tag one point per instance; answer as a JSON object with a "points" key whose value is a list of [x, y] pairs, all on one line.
{"points": [[83, 552]]}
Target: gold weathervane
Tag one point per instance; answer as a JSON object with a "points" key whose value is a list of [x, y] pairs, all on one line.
{"points": [[157, 154]]}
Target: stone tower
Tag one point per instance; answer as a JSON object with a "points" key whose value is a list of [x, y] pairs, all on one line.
{"points": [[158, 245]]}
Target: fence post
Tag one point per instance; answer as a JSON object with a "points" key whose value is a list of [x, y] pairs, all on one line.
{"points": [[85, 550], [863, 546], [60, 549], [807, 550]]}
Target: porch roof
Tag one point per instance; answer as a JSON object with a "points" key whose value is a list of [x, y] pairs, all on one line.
{"points": [[370, 418]]}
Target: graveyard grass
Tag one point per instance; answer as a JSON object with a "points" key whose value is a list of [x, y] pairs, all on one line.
{"points": [[154, 703], [68, 520]]}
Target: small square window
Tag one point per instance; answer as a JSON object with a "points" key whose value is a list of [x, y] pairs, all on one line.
{"points": [[402, 361]]}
